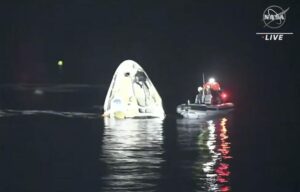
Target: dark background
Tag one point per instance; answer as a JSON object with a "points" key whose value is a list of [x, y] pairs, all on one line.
{"points": [[175, 42]]}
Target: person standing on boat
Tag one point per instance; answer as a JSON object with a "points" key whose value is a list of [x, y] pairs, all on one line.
{"points": [[213, 92], [199, 96]]}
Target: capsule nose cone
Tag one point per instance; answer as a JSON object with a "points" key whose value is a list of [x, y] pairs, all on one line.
{"points": [[134, 91]]}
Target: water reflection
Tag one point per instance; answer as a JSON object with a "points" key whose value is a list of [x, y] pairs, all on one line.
{"points": [[211, 149], [147, 155], [132, 151]]}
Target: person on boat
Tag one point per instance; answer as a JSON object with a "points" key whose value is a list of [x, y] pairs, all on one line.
{"points": [[199, 96], [213, 92], [216, 97], [207, 99]]}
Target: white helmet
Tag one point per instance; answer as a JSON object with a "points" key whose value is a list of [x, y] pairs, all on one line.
{"points": [[200, 89]]}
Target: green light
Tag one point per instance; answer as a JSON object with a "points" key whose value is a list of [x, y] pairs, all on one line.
{"points": [[60, 63]]}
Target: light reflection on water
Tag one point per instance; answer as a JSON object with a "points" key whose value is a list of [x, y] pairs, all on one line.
{"points": [[132, 150], [157, 155], [196, 156], [210, 168]]}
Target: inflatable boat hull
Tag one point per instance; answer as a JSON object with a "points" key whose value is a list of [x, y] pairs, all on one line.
{"points": [[195, 111]]}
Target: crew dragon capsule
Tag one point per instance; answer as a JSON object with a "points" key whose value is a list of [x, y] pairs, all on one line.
{"points": [[131, 94]]}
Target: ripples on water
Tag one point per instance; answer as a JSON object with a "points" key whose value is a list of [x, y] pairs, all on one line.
{"points": [[156, 154], [208, 143], [13, 112], [132, 150], [138, 158]]}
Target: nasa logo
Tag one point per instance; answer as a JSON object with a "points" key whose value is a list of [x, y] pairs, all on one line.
{"points": [[274, 16]]}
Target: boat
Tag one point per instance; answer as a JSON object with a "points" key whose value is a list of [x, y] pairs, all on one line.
{"points": [[131, 94], [203, 107], [196, 111]]}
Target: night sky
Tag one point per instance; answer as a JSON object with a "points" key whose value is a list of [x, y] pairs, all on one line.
{"points": [[174, 42]]}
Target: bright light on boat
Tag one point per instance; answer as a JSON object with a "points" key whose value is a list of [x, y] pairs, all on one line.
{"points": [[224, 95], [211, 80]]}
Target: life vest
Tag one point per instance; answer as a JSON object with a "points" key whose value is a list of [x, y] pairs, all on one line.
{"points": [[214, 86]]}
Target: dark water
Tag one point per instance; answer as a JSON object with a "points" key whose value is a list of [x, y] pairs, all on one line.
{"points": [[53, 140]]}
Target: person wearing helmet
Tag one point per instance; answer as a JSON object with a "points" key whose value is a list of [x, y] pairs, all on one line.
{"points": [[215, 91], [207, 98], [212, 92], [199, 96], [212, 85]]}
